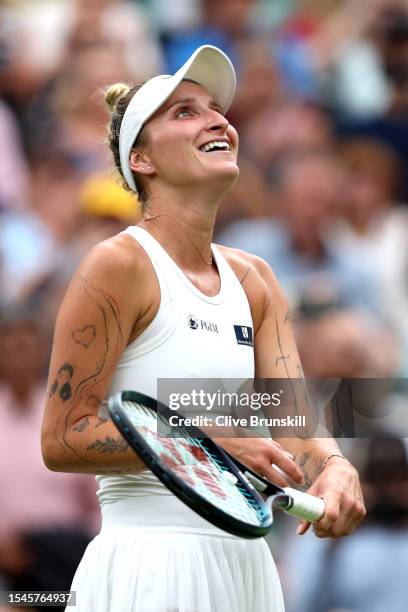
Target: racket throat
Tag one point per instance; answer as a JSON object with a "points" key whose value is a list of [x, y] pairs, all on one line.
{"points": [[282, 501]]}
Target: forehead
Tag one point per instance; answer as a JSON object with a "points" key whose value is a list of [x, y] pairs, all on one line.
{"points": [[188, 89]]}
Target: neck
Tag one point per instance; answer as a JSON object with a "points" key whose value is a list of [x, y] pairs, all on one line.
{"points": [[184, 227]]}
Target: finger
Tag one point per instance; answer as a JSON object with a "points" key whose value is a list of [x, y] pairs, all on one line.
{"points": [[303, 527], [288, 466], [275, 476], [277, 444], [347, 525], [339, 528], [325, 525], [351, 514]]}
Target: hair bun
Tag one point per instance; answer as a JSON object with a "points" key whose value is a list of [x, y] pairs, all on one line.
{"points": [[114, 93]]}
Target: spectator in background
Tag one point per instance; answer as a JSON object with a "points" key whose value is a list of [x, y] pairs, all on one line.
{"points": [[282, 128], [331, 292], [223, 24], [14, 174], [43, 31], [369, 77], [31, 244], [260, 84], [365, 573], [248, 197], [71, 107], [102, 209], [105, 210], [307, 185], [388, 36], [45, 521], [374, 226], [340, 53]]}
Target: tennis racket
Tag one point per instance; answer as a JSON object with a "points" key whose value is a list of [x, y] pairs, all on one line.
{"points": [[195, 469]]}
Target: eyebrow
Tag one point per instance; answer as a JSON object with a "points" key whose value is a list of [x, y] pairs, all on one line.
{"points": [[212, 103]]}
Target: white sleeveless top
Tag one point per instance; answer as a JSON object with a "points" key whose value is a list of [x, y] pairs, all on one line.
{"points": [[192, 336]]}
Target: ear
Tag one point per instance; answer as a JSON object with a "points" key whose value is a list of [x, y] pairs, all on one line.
{"points": [[140, 163]]}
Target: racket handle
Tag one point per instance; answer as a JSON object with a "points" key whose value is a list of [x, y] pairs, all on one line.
{"points": [[307, 507]]}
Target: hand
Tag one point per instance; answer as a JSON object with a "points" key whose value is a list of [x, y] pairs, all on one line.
{"points": [[339, 486], [266, 457]]}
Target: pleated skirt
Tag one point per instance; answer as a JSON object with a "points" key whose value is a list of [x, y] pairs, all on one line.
{"points": [[133, 568]]}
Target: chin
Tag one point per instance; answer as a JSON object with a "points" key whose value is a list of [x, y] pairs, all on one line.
{"points": [[228, 172]]}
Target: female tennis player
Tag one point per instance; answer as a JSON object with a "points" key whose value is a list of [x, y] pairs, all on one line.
{"points": [[160, 300]]}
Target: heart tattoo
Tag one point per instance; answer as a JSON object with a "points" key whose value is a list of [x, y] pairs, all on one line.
{"points": [[84, 336]]}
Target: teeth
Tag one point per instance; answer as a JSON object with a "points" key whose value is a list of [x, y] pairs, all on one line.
{"points": [[215, 144]]}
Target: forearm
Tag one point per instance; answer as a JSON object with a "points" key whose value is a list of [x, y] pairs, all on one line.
{"points": [[92, 445], [310, 455]]}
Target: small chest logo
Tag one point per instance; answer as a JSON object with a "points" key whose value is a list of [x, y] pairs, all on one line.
{"points": [[243, 334], [192, 322], [195, 323]]}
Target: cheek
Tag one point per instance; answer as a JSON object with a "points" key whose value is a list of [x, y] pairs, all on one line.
{"points": [[170, 154], [168, 147], [233, 136]]}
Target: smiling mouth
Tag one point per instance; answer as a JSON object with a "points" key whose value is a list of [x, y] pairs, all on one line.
{"points": [[216, 145]]}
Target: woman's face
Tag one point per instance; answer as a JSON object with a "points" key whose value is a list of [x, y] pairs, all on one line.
{"points": [[179, 136]]}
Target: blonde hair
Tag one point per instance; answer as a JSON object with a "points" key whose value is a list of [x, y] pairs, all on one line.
{"points": [[117, 98], [114, 93]]}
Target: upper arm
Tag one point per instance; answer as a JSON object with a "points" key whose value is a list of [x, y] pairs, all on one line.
{"points": [[276, 354], [93, 326]]}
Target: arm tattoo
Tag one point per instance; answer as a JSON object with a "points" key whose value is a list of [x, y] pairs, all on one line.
{"points": [[83, 424], [303, 460], [107, 328], [310, 466], [288, 317], [300, 431], [93, 401], [245, 275], [84, 336], [101, 421], [282, 358], [54, 388], [62, 382], [109, 445]]}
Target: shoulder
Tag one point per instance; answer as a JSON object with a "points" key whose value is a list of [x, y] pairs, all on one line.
{"points": [[115, 258], [118, 267], [244, 263], [258, 281]]}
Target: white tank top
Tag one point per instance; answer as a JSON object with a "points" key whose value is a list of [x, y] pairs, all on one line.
{"points": [[192, 336]]}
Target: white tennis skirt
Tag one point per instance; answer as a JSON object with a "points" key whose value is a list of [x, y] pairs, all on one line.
{"points": [[134, 568]]}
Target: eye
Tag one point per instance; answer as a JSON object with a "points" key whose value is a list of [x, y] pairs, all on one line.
{"points": [[183, 112]]}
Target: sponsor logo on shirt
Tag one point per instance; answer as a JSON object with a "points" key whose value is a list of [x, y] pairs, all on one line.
{"points": [[195, 323], [243, 334]]}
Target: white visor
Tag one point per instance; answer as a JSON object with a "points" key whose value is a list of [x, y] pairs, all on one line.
{"points": [[208, 66]]}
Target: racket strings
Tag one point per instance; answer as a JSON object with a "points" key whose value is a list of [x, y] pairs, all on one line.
{"points": [[196, 464]]}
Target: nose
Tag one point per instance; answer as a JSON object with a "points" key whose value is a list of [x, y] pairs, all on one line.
{"points": [[217, 121]]}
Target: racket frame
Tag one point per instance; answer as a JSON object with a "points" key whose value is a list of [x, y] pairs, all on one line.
{"points": [[175, 483]]}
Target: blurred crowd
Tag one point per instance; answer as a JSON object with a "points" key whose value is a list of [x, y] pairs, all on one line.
{"points": [[322, 113]]}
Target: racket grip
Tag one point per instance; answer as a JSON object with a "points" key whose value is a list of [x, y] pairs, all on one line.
{"points": [[307, 507]]}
